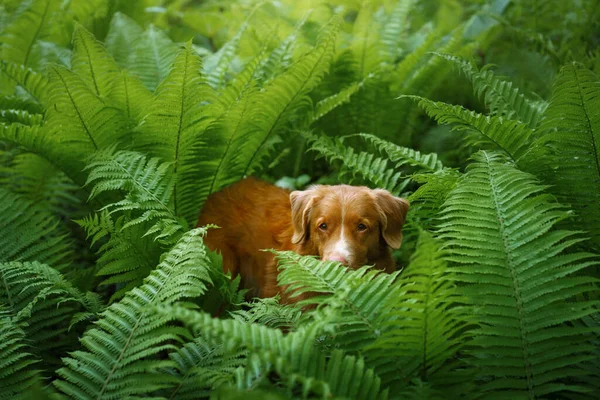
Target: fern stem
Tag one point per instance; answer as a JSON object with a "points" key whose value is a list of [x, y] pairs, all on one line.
{"points": [[180, 123]]}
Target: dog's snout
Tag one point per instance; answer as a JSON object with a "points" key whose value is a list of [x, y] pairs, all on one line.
{"points": [[337, 257]]}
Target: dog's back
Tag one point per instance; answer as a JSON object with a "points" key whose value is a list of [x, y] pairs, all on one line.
{"points": [[252, 215]]}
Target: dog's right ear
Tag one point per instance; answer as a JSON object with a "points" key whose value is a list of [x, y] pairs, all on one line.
{"points": [[302, 201]]}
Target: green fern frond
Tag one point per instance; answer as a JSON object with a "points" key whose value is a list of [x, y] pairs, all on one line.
{"points": [[521, 285], [37, 296], [357, 296], [285, 96], [122, 355], [33, 82], [16, 102], [424, 329], [269, 312], [151, 57], [373, 169], [32, 24], [16, 362], [404, 155], [569, 146], [148, 187], [513, 137], [80, 120], [28, 232], [126, 256], [328, 104], [92, 62], [176, 119], [20, 117], [395, 28], [123, 34], [427, 200], [499, 95], [130, 95]]}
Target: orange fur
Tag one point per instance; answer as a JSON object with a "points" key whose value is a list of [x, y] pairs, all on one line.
{"points": [[355, 225]]}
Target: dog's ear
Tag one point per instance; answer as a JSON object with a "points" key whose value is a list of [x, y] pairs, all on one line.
{"points": [[392, 213], [302, 201]]}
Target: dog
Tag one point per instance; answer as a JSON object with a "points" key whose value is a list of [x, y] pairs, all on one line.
{"points": [[353, 225]]}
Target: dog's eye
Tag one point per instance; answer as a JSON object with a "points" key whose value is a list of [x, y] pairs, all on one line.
{"points": [[323, 226], [362, 227]]}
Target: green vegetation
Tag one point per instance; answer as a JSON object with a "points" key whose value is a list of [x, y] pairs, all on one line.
{"points": [[118, 118]]}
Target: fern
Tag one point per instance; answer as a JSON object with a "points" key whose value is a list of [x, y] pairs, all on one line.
{"points": [[500, 96], [148, 186], [122, 351], [569, 146], [520, 282], [123, 34], [269, 312], [34, 83]]}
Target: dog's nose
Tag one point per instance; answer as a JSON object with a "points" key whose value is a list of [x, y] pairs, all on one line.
{"points": [[337, 257]]}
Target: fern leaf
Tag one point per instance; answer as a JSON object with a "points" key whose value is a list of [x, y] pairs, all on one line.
{"points": [[513, 137], [520, 283], [175, 119], [269, 312], [404, 155], [122, 355], [92, 62], [34, 83], [499, 95], [373, 169], [329, 103], [123, 34], [569, 140], [286, 95], [395, 29], [151, 57], [16, 362], [28, 232], [131, 96], [148, 186]]}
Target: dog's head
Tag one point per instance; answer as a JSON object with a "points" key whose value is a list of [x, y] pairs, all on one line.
{"points": [[353, 225]]}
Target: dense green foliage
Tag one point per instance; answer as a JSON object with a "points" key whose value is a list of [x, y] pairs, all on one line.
{"points": [[118, 118]]}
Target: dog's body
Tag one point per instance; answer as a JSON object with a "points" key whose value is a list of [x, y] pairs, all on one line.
{"points": [[354, 225]]}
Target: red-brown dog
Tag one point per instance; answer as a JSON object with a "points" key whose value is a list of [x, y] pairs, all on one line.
{"points": [[354, 225]]}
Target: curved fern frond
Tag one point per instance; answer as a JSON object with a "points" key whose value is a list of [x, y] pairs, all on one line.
{"points": [[28, 232], [122, 355], [176, 119], [152, 56], [33, 82], [499, 95], [37, 296], [394, 30], [131, 96], [569, 144], [373, 169], [404, 155], [522, 287], [328, 104], [269, 312], [513, 137], [123, 34], [148, 186], [16, 362], [92, 62], [127, 257]]}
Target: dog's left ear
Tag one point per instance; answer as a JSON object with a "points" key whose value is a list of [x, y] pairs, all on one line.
{"points": [[301, 201], [392, 213]]}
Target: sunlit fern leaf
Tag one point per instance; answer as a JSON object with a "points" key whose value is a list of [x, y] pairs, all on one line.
{"points": [[176, 120], [512, 137], [203, 367], [148, 186], [427, 200], [569, 146], [269, 312], [358, 296], [32, 24], [366, 42], [19, 103], [404, 155], [41, 183], [131, 96], [33, 82], [122, 35], [38, 297], [373, 169], [522, 287], [126, 256], [292, 356], [395, 29], [17, 364], [286, 95], [92, 62], [499, 95], [152, 56], [424, 329], [20, 117], [80, 120], [122, 353], [29, 232], [329, 103], [88, 13]]}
